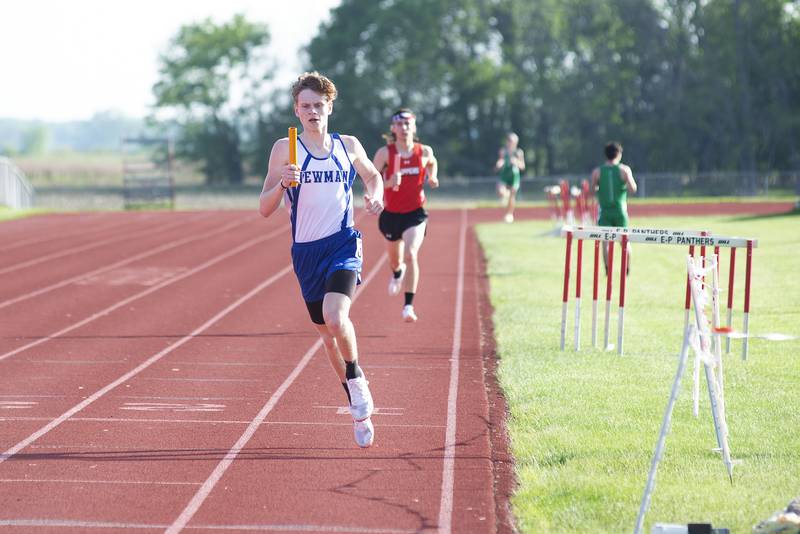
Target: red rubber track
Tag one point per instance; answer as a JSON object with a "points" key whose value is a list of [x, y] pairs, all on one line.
{"points": [[122, 398]]}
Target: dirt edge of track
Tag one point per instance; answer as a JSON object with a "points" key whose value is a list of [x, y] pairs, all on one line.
{"points": [[504, 478]]}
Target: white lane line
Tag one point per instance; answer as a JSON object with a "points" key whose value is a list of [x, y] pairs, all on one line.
{"points": [[130, 259], [235, 364], [38, 396], [172, 407], [205, 490], [50, 237], [17, 405], [201, 379], [202, 421], [75, 362], [89, 246], [67, 523], [161, 397], [153, 289], [150, 361], [74, 481], [448, 469]]}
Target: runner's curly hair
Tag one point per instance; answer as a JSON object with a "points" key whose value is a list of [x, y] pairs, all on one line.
{"points": [[316, 82]]}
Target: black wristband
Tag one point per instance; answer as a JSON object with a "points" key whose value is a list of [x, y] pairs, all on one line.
{"points": [[282, 186]]}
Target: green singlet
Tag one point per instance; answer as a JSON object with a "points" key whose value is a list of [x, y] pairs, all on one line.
{"points": [[509, 174], [612, 197]]}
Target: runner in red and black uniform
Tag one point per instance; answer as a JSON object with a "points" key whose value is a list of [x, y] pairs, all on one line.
{"points": [[405, 165]]}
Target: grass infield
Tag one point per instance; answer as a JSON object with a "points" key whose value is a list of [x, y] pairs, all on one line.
{"points": [[7, 214], [584, 425]]}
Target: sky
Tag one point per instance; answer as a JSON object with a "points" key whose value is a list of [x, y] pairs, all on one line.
{"points": [[67, 60]]}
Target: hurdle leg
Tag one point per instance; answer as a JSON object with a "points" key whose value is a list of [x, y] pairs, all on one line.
{"points": [[579, 261], [566, 291], [662, 437], [623, 265], [729, 321], [747, 273], [594, 292], [609, 278], [688, 301], [715, 323]]}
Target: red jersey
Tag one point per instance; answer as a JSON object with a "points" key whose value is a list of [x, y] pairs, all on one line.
{"points": [[410, 196]]}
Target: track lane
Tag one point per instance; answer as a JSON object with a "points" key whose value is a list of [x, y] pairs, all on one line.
{"points": [[67, 310], [18, 260], [119, 269], [404, 467], [398, 482]]}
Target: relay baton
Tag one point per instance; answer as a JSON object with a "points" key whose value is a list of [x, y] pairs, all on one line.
{"points": [[293, 151], [397, 172]]}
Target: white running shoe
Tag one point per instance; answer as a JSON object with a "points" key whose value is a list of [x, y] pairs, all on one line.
{"points": [[364, 432], [509, 218], [408, 314], [361, 405], [396, 284]]}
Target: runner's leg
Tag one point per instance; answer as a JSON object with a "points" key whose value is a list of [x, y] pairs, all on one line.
{"points": [[413, 238]]}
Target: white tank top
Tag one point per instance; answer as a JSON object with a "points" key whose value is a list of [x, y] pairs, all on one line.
{"points": [[323, 202]]}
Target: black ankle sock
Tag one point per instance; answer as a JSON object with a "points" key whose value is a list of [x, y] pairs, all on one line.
{"points": [[397, 274], [352, 370], [409, 298], [346, 390]]}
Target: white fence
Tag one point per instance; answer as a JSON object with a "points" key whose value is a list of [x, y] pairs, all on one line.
{"points": [[15, 190]]}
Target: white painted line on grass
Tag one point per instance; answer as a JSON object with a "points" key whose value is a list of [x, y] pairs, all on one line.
{"points": [[448, 469], [126, 261], [153, 359], [205, 490], [153, 289]]}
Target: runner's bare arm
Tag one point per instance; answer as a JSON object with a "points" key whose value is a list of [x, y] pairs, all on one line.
{"points": [[431, 166], [373, 182], [595, 179], [627, 173], [279, 176], [520, 159], [500, 160], [381, 162]]}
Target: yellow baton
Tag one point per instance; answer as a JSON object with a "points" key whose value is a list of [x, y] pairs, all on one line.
{"points": [[293, 151]]}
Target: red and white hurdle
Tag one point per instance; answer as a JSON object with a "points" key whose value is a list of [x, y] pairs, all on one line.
{"points": [[608, 236]]}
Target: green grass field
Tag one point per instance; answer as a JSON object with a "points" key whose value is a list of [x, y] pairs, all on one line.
{"points": [[584, 424], [6, 214]]}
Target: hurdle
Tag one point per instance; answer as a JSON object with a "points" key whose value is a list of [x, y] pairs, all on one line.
{"points": [[607, 236], [697, 337]]}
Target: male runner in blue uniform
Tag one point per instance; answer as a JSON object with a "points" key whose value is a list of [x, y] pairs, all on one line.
{"points": [[326, 249]]}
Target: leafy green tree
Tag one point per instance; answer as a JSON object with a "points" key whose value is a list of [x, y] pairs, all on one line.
{"points": [[209, 86], [686, 85], [438, 58], [35, 140]]}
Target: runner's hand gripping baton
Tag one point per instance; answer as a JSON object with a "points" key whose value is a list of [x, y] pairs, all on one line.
{"points": [[398, 176], [293, 151]]}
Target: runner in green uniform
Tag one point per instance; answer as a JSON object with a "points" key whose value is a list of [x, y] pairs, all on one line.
{"points": [[510, 161], [612, 182]]}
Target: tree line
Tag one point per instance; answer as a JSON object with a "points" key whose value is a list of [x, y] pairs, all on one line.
{"points": [[685, 85]]}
